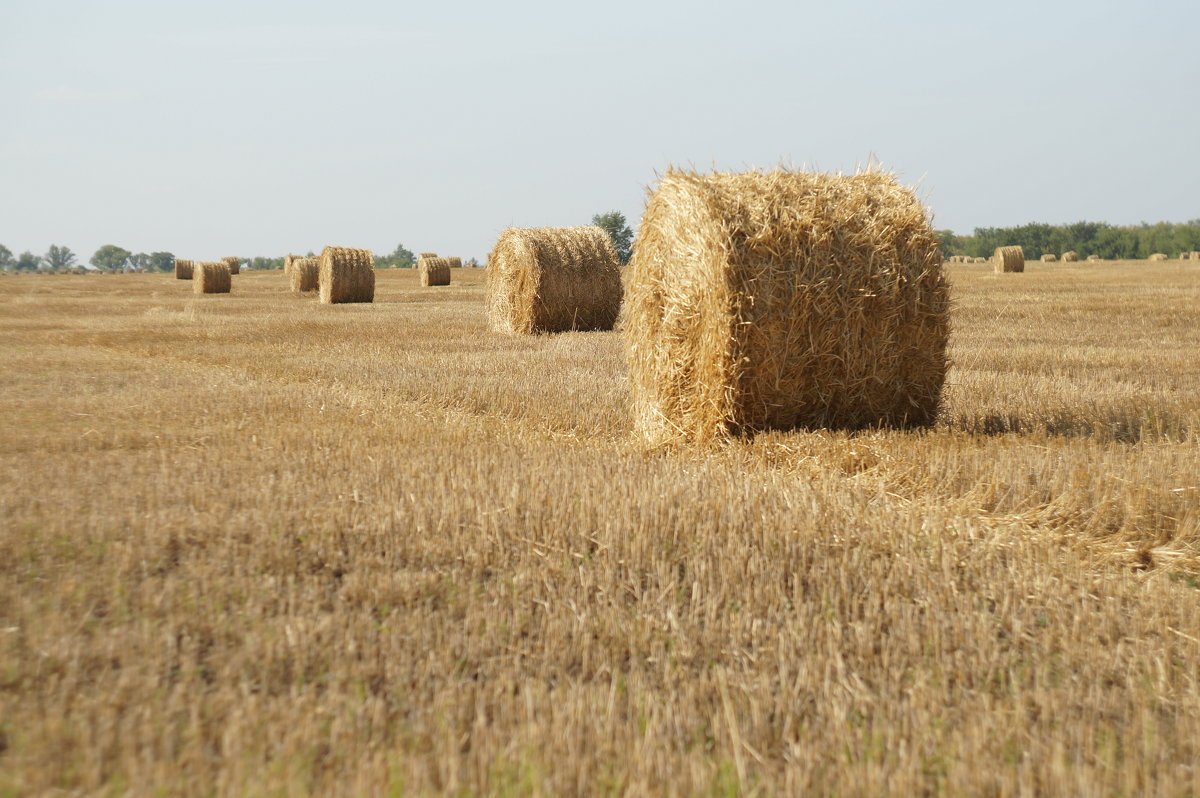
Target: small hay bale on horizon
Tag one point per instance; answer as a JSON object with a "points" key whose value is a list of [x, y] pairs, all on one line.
{"points": [[211, 278], [1009, 259], [1195, 255], [783, 299], [304, 274], [1157, 256], [1070, 256], [1049, 258], [980, 260], [553, 279], [433, 271], [234, 263], [346, 275], [184, 269]]}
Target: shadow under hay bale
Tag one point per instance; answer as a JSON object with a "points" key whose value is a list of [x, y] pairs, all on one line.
{"points": [[304, 274], [211, 278], [783, 299], [184, 269], [346, 275], [553, 279], [433, 271], [1008, 259]]}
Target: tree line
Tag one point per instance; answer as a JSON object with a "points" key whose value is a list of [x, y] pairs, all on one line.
{"points": [[1110, 242], [112, 258]]}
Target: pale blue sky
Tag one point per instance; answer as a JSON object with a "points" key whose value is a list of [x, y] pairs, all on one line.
{"points": [[260, 128]]}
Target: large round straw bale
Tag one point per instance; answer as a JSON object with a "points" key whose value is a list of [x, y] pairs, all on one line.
{"points": [[1009, 259], [455, 262], [304, 274], [783, 299], [234, 263], [184, 269], [346, 275], [433, 271], [211, 278], [1157, 256], [1070, 256], [553, 279], [1049, 258]]}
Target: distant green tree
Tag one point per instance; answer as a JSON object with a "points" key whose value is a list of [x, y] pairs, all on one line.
{"points": [[111, 258], [6, 258], [58, 258], [139, 262], [27, 262], [400, 258], [618, 230], [161, 261]]}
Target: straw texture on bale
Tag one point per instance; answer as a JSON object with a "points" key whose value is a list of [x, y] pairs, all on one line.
{"points": [[455, 262], [184, 269], [304, 274], [211, 278], [1157, 256], [427, 255], [234, 263], [433, 271], [1070, 257], [980, 260], [288, 260], [1093, 257], [1049, 258], [1195, 255], [346, 275], [783, 299], [553, 279], [1009, 259]]}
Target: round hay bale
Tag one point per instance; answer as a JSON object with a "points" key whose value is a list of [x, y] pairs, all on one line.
{"points": [[234, 263], [1194, 255], [1093, 258], [211, 278], [1157, 256], [553, 279], [288, 260], [1009, 259], [304, 274], [979, 260], [346, 275], [1070, 256], [1049, 258], [184, 269], [433, 271], [455, 263], [783, 299]]}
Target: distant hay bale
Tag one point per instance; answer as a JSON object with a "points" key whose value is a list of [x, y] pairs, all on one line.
{"points": [[304, 274], [288, 261], [1157, 256], [455, 263], [433, 271], [211, 278], [1009, 259], [1195, 255], [980, 260], [553, 279], [184, 269], [234, 263], [346, 275], [783, 299], [427, 255], [1093, 258], [1049, 258], [1070, 256]]}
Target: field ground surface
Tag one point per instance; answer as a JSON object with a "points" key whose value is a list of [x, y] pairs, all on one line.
{"points": [[255, 545]]}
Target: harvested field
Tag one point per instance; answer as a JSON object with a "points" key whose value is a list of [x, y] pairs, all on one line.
{"points": [[262, 546]]}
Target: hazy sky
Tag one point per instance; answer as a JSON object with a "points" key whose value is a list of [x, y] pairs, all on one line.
{"points": [[260, 128]]}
